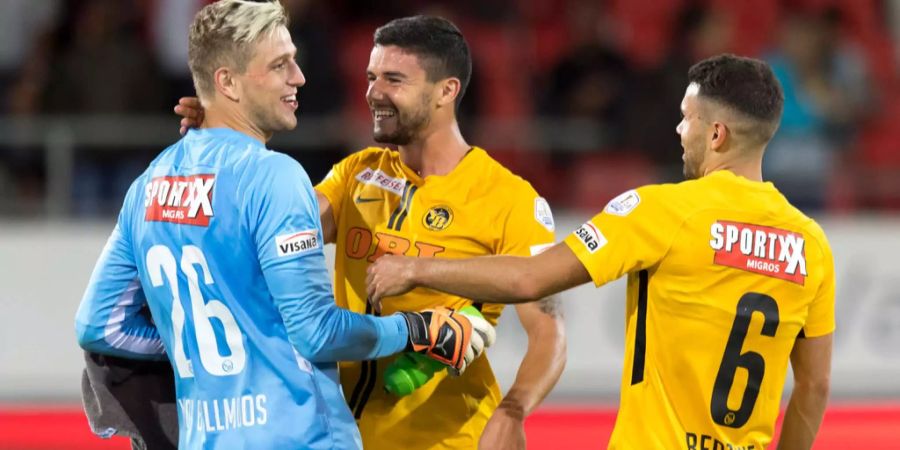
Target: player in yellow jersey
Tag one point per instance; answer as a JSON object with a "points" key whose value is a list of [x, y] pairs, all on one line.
{"points": [[435, 197], [727, 281]]}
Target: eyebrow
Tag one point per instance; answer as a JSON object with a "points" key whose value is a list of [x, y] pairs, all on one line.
{"points": [[389, 74], [286, 55]]}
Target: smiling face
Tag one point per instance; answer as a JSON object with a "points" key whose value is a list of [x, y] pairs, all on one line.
{"points": [[400, 96], [694, 131], [269, 85]]}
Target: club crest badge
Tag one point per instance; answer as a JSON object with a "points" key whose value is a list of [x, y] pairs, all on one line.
{"points": [[438, 218]]}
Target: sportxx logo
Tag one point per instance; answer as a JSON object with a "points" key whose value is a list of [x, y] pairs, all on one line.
{"points": [[180, 199], [764, 250], [438, 218]]}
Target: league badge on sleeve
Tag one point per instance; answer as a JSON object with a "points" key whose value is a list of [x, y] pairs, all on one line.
{"points": [[543, 214], [624, 203], [540, 248]]}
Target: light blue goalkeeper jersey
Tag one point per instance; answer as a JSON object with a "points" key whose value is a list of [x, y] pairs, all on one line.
{"points": [[222, 239]]}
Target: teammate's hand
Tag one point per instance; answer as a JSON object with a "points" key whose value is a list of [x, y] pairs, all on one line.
{"points": [[448, 336], [388, 276], [504, 431], [191, 112]]}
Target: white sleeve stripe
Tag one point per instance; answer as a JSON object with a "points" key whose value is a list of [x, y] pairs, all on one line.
{"points": [[117, 338]]}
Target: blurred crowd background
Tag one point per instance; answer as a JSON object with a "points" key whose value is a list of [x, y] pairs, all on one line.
{"points": [[579, 97]]}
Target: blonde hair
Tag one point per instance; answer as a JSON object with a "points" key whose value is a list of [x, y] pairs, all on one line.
{"points": [[223, 34]]}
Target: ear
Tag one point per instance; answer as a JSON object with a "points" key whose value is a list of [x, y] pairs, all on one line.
{"points": [[226, 84], [720, 133], [449, 91]]}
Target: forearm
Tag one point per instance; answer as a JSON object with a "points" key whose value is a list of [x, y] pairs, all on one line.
{"points": [[498, 279], [110, 320], [330, 333], [320, 330], [803, 417], [138, 341], [538, 373]]}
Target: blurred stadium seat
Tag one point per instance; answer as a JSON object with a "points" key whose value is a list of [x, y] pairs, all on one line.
{"points": [[594, 179]]}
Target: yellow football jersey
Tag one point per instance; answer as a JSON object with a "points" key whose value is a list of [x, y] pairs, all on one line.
{"points": [[381, 206], [723, 275]]}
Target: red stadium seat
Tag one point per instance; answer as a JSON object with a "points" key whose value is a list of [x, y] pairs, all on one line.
{"points": [[595, 178], [500, 65], [755, 24], [535, 167], [355, 45], [878, 154], [645, 28]]}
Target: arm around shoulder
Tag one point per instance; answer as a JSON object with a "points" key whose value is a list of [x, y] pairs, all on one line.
{"points": [[326, 215], [497, 279]]}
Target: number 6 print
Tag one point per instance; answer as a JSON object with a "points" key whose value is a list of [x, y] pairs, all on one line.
{"points": [[753, 362]]}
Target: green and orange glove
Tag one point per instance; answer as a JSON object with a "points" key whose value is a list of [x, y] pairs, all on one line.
{"points": [[448, 336]]}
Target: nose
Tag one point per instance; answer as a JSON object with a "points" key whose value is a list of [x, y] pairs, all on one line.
{"points": [[678, 128], [296, 78], [373, 92]]}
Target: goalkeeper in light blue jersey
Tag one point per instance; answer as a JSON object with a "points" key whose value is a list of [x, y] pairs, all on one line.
{"points": [[221, 238]]}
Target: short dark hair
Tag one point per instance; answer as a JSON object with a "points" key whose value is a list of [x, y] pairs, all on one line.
{"points": [[437, 42], [744, 84]]}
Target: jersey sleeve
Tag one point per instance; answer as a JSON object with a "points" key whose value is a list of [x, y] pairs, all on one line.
{"points": [[284, 220], [110, 319], [334, 185], [820, 320], [528, 230], [632, 233], [529, 227]]}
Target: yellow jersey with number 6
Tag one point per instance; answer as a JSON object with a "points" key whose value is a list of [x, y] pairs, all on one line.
{"points": [[381, 206], [723, 276]]}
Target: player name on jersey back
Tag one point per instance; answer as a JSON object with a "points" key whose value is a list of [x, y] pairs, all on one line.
{"points": [[760, 249], [180, 199]]}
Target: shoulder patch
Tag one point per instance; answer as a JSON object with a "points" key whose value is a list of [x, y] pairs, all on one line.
{"points": [[543, 214], [624, 203], [328, 175], [538, 249]]}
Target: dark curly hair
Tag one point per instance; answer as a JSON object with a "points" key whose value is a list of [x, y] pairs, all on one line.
{"points": [[745, 84], [440, 46]]}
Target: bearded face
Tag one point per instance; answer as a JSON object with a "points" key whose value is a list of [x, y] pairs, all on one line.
{"points": [[400, 96]]}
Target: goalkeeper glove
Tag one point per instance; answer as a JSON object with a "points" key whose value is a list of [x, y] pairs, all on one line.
{"points": [[448, 336]]}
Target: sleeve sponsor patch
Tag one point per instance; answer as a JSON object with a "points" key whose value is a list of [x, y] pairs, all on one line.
{"points": [[297, 243], [328, 175], [624, 203], [591, 237], [543, 214], [536, 249]]}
